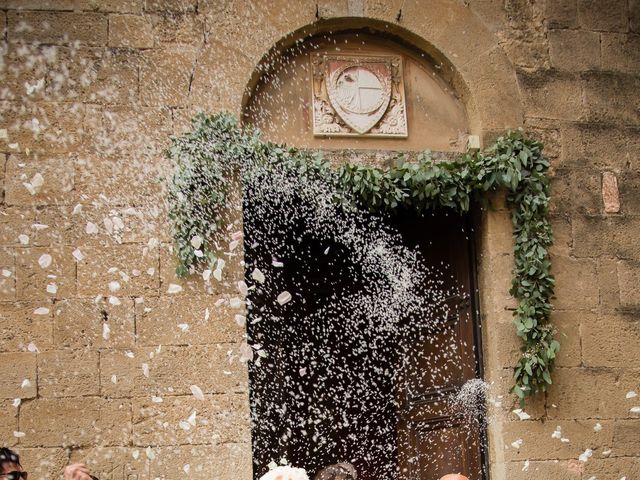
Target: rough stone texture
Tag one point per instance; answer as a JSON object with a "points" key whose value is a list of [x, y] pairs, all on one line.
{"points": [[130, 31], [566, 70]]}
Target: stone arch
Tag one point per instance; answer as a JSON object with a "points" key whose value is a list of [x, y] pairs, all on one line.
{"points": [[453, 37]]}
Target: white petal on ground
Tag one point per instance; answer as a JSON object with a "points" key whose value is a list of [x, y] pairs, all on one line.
{"points": [[206, 275], [186, 426], [284, 297], [32, 348], [114, 300], [236, 302], [6, 273], [233, 245], [155, 399], [150, 453], [185, 468], [45, 260], [207, 314], [217, 274], [631, 394], [597, 427], [77, 254], [525, 468], [41, 311], [145, 369], [586, 455], [257, 275], [114, 379], [174, 288], [558, 433], [23, 239], [114, 286], [77, 209], [197, 392], [517, 444], [237, 235]]}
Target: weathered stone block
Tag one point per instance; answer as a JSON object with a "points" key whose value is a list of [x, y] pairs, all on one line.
{"points": [[590, 393], [621, 52], [96, 421], [610, 193], [221, 418], [576, 191], [130, 31], [574, 50], [629, 188], [562, 235], [628, 281], [44, 463], [608, 284], [608, 15], [183, 27], [610, 340], [131, 181], [59, 126], [20, 326], [576, 283], [551, 469], [220, 78], [81, 324], [611, 236], [169, 5], [172, 371], [617, 468], [9, 424], [117, 6], [16, 368], [231, 460], [133, 267], [601, 146], [114, 463], [538, 444], [68, 373], [551, 95], [32, 280], [157, 321], [125, 137], [58, 27], [634, 15], [56, 177], [561, 13], [612, 97], [568, 325], [625, 437], [16, 221], [166, 75], [7, 274]]}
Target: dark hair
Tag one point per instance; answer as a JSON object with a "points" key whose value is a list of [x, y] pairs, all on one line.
{"points": [[7, 455]]}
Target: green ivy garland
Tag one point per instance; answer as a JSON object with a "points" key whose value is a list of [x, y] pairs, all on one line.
{"points": [[205, 157]]}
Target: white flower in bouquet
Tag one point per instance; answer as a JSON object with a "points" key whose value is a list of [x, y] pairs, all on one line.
{"points": [[285, 472]]}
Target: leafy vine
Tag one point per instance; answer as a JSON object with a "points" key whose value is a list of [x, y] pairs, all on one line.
{"points": [[205, 158]]}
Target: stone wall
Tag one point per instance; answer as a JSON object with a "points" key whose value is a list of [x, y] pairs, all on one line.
{"points": [[119, 76]]}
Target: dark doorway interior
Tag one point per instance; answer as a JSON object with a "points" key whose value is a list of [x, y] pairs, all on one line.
{"points": [[333, 391]]}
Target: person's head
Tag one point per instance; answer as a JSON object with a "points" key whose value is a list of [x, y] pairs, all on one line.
{"points": [[10, 468], [454, 476]]}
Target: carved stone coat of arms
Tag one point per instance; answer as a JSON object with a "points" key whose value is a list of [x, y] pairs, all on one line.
{"points": [[358, 95]]}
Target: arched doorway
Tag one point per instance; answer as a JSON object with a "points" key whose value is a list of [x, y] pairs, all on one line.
{"points": [[414, 428]]}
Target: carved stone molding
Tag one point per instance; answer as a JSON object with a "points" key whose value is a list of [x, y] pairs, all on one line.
{"points": [[358, 95]]}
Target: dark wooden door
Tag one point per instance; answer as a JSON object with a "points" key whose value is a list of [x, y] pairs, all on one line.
{"points": [[436, 434], [413, 430]]}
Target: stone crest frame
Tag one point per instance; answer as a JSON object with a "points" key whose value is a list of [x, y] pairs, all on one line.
{"points": [[388, 114]]}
